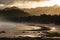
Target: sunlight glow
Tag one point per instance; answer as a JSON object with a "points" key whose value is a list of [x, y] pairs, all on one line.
{"points": [[34, 4], [1, 5], [53, 29]]}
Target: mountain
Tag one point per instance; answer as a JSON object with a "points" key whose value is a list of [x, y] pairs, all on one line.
{"points": [[13, 12], [44, 10]]}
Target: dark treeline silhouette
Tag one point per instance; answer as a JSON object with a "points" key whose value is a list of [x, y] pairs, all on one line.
{"points": [[17, 15], [39, 19]]}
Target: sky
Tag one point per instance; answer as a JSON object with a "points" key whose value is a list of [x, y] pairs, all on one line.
{"points": [[28, 3]]}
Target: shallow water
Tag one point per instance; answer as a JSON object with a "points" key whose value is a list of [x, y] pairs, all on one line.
{"points": [[18, 29]]}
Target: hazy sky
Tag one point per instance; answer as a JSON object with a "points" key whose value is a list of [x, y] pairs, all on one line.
{"points": [[28, 3]]}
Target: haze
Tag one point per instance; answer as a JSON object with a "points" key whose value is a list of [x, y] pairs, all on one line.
{"points": [[28, 3]]}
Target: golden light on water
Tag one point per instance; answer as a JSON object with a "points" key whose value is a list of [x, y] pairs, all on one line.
{"points": [[53, 29], [1, 5]]}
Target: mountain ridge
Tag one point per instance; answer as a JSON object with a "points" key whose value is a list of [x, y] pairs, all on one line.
{"points": [[53, 10]]}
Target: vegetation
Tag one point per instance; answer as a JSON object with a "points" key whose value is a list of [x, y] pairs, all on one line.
{"points": [[17, 15], [38, 19]]}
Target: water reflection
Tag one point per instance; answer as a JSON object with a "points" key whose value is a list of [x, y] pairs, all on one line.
{"points": [[53, 29], [23, 29]]}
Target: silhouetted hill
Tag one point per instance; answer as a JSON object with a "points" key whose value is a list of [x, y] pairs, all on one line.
{"points": [[44, 10], [17, 15], [13, 12]]}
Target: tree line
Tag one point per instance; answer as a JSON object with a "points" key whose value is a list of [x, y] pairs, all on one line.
{"points": [[18, 15], [38, 19]]}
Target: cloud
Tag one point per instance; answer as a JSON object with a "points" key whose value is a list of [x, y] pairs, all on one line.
{"points": [[32, 4], [35, 3], [22, 3], [6, 2]]}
